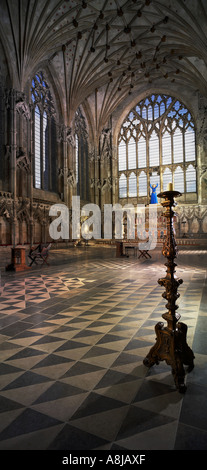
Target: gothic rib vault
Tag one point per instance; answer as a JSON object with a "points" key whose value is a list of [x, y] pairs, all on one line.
{"points": [[117, 46]]}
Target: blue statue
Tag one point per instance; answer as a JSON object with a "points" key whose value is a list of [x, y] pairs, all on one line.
{"points": [[153, 199]]}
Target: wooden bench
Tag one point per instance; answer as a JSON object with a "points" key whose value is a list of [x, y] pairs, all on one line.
{"points": [[39, 254]]}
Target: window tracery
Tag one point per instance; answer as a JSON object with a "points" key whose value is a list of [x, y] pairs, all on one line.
{"points": [[44, 134], [157, 142]]}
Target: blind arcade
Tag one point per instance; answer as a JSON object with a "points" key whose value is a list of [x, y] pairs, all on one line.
{"points": [[87, 222]]}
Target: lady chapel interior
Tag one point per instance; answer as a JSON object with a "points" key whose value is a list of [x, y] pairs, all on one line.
{"points": [[101, 99]]}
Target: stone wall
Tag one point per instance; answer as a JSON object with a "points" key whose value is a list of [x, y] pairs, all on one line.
{"points": [[24, 210]]}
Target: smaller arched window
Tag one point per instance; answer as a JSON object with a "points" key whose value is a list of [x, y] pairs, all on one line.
{"points": [[166, 178], [178, 146], [154, 150], [37, 138], [122, 156], [122, 186], [132, 159], [189, 145], [190, 179], [142, 153], [45, 150], [179, 179], [76, 157], [166, 149], [142, 184], [132, 185], [44, 135]]}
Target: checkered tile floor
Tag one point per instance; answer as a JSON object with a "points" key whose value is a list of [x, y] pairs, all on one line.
{"points": [[72, 342]]}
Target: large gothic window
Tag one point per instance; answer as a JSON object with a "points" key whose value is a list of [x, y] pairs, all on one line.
{"points": [[156, 145], [44, 135]]}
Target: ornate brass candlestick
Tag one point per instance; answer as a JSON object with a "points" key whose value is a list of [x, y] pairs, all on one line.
{"points": [[171, 344]]}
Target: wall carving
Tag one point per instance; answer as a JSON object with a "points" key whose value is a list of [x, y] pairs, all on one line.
{"points": [[98, 175], [65, 135], [191, 219], [23, 161], [105, 144]]}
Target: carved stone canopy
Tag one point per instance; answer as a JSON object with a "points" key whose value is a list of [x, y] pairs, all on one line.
{"points": [[23, 161], [23, 109]]}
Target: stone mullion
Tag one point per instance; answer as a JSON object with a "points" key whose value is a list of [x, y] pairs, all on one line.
{"points": [[127, 166], [147, 167], [184, 165], [160, 157], [41, 151], [49, 154]]}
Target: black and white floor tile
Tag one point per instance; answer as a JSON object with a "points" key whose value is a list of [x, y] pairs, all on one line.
{"points": [[72, 343]]}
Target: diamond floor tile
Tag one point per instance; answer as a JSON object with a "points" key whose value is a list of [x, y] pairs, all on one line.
{"points": [[72, 342]]}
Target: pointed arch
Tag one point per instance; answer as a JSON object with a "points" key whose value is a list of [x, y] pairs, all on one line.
{"points": [[44, 134], [156, 140]]}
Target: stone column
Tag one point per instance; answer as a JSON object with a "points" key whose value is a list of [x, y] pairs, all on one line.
{"points": [[13, 160], [31, 232], [115, 182], [202, 152]]}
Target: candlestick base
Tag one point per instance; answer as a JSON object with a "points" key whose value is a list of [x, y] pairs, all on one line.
{"points": [[171, 344], [172, 347]]}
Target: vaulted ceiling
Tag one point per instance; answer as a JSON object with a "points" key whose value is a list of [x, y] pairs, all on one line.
{"points": [[116, 45]]}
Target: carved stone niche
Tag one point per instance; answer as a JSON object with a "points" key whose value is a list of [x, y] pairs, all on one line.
{"points": [[71, 179], [23, 108], [105, 144], [23, 161], [80, 125], [23, 210]]}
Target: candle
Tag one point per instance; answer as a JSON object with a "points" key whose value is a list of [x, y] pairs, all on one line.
{"points": [[170, 187]]}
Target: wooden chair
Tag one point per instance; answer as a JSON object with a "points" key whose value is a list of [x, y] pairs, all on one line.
{"points": [[39, 254]]}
